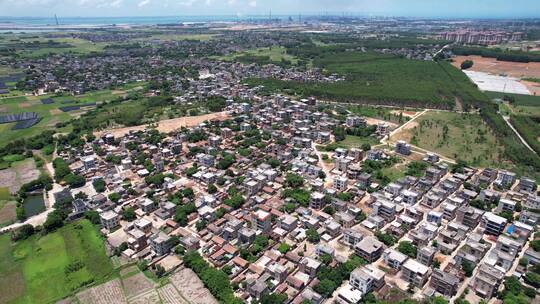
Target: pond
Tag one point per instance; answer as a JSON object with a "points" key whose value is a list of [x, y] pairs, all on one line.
{"points": [[34, 204]]}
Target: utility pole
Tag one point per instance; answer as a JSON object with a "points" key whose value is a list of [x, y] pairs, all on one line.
{"points": [[56, 19]]}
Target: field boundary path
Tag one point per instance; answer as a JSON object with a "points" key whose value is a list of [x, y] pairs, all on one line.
{"points": [[507, 119]]}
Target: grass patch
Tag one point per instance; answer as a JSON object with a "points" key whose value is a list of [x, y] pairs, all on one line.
{"points": [[5, 194], [273, 54], [517, 99], [352, 141], [54, 266], [529, 128], [457, 136]]}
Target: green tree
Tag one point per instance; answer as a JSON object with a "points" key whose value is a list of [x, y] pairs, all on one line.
{"points": [[294, 181], [92, 216], [212, 189], [114, 197], [407, 248], [468, 268], [284, 248], [325, 287], [129, 214], [467, 64], [312, 235]]}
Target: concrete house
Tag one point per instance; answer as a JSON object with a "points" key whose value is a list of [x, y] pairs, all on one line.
{"points": [[394, 258], [369, 248], [444, 283], [367, 279], [487, 280], [110, 220], [160, 243], [415, 273]]}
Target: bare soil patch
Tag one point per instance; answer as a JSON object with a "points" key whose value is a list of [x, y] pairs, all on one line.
{"points": [[168, 125], [491, 65], [169, 295], [126, 271], [374, 121], [148, 297], [513, 69], [136, 284], [534, 87], [25, 105], [55, 111], [108, 293], [8, 213], [192, 288], [405, 113], [15, 281]]}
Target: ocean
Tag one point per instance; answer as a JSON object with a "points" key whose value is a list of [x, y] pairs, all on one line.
{"points": [[108, 21]]}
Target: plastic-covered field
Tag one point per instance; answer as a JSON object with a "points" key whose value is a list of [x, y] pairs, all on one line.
{"points": [[18, 117], [25, 124]]}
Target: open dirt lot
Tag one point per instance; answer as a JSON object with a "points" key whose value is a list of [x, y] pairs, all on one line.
{"points": [[168, 125], [19, 174], [192, 288], [513, 69]]}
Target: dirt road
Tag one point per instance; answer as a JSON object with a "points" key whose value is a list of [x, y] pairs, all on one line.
{"points": [[168, 125]]}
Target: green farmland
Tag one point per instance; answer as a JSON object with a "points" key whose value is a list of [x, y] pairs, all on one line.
{"points": [[30, 46], [50, 114], [265, 55], [385, 79], [48, 268]]}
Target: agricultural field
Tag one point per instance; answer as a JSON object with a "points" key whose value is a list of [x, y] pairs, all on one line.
{"points": [[133, 287], [18, 174], [44, 269], [8, 212], [454, 135], [49, 114], [274, 54], [8, 207], [31, 46], [386, 79]]}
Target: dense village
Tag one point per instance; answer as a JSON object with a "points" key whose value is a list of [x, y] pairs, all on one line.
{"points": [[253, 196]]}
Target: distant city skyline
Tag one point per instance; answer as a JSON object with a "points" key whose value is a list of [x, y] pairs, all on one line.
{"points": [[403, 8]]}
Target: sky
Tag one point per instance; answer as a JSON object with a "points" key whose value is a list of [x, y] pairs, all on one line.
{"points": [[403, 8]]}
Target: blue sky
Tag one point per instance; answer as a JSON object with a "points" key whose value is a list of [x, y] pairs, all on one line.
{"points": [[407, 8]]}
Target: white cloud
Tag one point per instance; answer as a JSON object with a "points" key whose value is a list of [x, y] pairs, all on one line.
{"points": [[116, 3], [143, 3], [253, 3], [231, 2], [188, 2]]}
